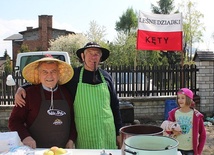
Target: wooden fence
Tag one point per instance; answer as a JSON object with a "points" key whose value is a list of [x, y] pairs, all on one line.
{"points": [[128, 81], [8, 88]]}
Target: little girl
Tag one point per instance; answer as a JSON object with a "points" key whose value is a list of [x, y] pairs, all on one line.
{"points": [[192, 138]]}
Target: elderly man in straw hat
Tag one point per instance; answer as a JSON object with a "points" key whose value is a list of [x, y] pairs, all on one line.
{"points": [[47, 119]]}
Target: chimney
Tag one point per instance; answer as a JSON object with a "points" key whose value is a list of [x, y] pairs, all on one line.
{"points": [[29, 28], [45, 21], [45, 30]]}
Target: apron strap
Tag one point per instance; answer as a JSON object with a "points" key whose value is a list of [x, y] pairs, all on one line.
{"points": [[81, 76], [43, 94]]}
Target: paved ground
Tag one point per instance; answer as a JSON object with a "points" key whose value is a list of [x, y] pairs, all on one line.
{"points": [[209, 146]]}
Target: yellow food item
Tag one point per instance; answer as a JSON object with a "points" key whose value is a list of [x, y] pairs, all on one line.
{"points": [[54, 148], [48, 152], [60, 151], [55, 151]]}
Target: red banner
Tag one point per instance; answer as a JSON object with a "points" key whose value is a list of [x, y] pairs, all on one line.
{"points": [[159, 32]]}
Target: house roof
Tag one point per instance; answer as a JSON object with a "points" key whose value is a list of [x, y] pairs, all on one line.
{"points": [[14, 37], [36, 29], [29, 30], [203, 56]]}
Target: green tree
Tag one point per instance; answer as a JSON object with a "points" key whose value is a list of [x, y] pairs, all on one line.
{"points": [[164, 7], [192, 26], [5, 54], [24, 48], [7, 66], [69, 43], [127, 22], [123, 50], [126, 38]]}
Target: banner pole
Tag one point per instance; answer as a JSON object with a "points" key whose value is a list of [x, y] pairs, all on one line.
{"points": [[182, 68], [182, 58]]}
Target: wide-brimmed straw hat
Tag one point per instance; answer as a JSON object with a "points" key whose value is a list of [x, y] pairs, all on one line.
{"points": [[31, 72], [105, 52]]}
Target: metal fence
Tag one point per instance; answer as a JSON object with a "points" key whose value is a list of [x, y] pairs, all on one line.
{"points": [[152, 81], [128, 81]]}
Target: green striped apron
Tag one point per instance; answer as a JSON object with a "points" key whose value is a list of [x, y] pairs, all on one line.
{"points": [[93, 116]]}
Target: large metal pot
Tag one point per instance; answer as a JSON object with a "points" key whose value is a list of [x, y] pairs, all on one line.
{"points": [[140, 129], [150, 145]]}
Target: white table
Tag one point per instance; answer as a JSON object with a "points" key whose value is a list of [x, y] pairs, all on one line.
{"points": [[85, 152]]}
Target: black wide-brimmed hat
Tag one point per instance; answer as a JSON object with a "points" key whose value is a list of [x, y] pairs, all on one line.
{"points": [[105, 52]]}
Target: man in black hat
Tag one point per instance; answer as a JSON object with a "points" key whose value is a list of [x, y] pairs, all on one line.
{"points": [[96, 104]]}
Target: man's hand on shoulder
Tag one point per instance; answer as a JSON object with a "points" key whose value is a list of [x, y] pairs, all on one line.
{"points": [[19, 97]]}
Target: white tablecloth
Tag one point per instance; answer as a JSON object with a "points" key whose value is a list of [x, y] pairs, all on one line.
{"points": [[85, 152]]}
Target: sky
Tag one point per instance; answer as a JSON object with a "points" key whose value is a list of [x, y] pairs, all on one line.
{"points": [[75, 15]]}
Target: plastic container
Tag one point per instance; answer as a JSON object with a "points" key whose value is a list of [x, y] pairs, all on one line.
{"points": [[127, 112], [169, 105]]}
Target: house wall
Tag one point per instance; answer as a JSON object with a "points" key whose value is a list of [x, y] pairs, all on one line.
{"points": [[205, 83], [57, 33], [4, 116], [38, 39]]}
